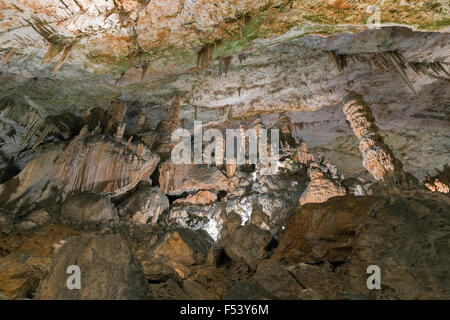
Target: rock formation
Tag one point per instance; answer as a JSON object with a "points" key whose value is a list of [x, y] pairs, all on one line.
{"points": [[88, 163], [440, 182], [112, 273], [377, 157], [144, 205], [92, 91]]}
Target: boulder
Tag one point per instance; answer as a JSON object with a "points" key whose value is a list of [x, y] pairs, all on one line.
{"points": [[274, 278], [197, 291], [249, 244], [160, 270], [321, 188], [184, 246], [407, 237], [88, 207], [325, 231], [20, 273], [169, 290], [248, 290], [201, 198], [177, 179], [108, 271], [145, 204], [195, 217], [319, 280]]}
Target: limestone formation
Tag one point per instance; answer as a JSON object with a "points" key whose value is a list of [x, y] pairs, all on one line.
{"points": [[95, 163], [177, 179], [377, 157], [321, 188], [88, 207], [111, 273], [145, 205], [92, 91], [184, 246], [440, 182], [200, 198], [286, 128], [323, 231]]}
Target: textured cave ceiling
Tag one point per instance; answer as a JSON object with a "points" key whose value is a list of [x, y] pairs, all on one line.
{"points": [[229, 61]]}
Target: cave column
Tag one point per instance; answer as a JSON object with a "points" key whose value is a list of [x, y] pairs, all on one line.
{"points": [[377, 157]]}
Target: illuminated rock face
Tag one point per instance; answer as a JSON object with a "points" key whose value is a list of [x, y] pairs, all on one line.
{"points": [[98, 164], [95, 163], [321, 188], [377, 158]]}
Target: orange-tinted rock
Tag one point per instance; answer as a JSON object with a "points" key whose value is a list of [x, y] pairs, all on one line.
{"points": [[325, 231], [184, 246], [377, 157], [88, 163], [321, 188], [440, 182], [177, 179], [200, 198], [20, 273]]}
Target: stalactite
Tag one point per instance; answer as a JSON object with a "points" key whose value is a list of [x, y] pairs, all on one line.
{"points": [[120, 132], [57, 43], [204, 57], [173, 117], [97, 163], [434, 70], [225, 63]]}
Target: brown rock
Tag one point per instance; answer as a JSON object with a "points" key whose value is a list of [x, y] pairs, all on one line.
{"points": [[169, 290], [108, 271], [144, 205], [201, 198], [184, 246], [249, 244], [176, 179], [196, 291], [408, 238], [320, 281], [274, 278], [85, 207], [321, 188], [323, 232], [248, 290], [20, 273]]}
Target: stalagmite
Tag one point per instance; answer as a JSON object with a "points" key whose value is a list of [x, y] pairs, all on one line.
{"points": [[325, 182], [304, 157], [286, 128], [120, 132], [321, 188], [377, 157]]}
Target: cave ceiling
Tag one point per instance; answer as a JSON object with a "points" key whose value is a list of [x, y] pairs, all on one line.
{"points": [[228, 61]]}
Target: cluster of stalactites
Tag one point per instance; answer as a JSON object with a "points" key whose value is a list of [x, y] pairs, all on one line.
{"points": [[94, 162]]}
